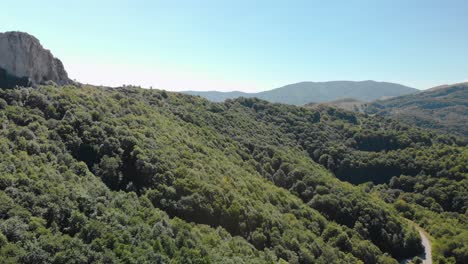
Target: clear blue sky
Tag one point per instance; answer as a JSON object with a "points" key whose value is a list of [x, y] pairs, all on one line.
{"points": [[250, 45]]}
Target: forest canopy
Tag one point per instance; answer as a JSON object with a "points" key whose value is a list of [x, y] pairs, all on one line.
{"points": [[128, 175]]}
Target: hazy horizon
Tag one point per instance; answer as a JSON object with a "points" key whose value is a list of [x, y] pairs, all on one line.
{"points": [[249, 47], [232, 91]]}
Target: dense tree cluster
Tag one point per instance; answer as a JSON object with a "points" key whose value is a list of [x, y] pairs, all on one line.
{"points": [[448, 229], [423, 167]]}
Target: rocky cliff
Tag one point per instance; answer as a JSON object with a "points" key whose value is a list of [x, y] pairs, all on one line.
{"points": [[23, 62]]}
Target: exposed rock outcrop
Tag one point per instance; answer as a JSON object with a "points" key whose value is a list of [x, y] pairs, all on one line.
{"points": [[23, 62]]}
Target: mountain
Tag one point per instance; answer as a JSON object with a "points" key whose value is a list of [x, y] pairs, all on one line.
{"points": [[24, 62], [129, 175], [306, 92], [444, 108]]}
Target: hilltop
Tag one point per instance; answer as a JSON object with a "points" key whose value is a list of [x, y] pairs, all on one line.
{"points": [[444, 108]]}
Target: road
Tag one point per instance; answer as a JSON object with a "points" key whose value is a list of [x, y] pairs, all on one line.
{"points": [[427, 256], [427, 247]]}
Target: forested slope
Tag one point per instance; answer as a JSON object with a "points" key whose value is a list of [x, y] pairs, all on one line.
{"points": [[131, 175], [424, 174]]}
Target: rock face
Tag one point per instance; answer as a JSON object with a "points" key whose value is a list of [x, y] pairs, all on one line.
{"points": [[23, 62]]}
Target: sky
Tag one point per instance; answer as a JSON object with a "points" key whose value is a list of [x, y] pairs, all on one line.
{"points": [[249, 46]]}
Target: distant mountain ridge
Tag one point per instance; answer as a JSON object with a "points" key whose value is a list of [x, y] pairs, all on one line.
{"points": [[305, 92]]}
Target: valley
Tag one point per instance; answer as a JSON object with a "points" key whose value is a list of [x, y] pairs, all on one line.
{"points": [[245, 170]]}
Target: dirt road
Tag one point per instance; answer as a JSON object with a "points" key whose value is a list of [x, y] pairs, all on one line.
{"points": [[427, 247], [427, 256]]}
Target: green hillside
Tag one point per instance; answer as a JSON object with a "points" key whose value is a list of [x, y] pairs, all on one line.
{"points": [[442, 108], [128, 175]]}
